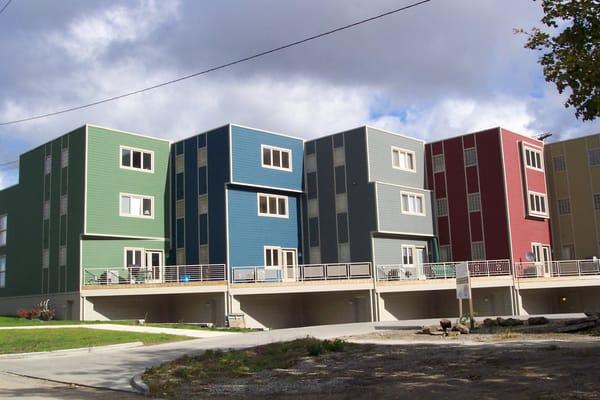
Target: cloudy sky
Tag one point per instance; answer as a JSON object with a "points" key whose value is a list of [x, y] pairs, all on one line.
{"points": [[441, 69]]}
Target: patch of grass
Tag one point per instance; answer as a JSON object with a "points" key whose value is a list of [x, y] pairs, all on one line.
{"points": [[31, 340], [215, 365]]}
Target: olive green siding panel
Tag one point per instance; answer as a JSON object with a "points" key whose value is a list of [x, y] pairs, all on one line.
{"points": [[24, 204], [109, 253], [106, 180]]}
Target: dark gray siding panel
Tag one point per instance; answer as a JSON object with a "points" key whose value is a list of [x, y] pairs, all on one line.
{"points": [[361, 196], [327, 218]]}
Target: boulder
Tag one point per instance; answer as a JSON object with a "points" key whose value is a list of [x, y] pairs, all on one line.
{"points": [[461, 328], [454, 333], [592, 314], [537, 321], [508, 321], [488, 322]]}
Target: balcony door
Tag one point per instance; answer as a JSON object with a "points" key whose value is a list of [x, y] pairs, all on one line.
{"points": [[542, 258], [154, 264], [283, 261]]}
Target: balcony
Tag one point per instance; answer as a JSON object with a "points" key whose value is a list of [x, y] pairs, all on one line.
{"points": [[140, 277], [302, 273], [557, 269], [444, 270]]}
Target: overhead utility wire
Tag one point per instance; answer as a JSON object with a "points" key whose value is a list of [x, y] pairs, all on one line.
{"points": [[212, 69], [5, 6]]}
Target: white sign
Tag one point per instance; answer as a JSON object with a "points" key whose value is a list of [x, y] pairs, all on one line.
{"points": [[463, 281]]}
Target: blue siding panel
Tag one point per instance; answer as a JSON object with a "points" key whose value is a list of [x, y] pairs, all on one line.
{"points": [[247, 159], [249, 232], [191, 200]]}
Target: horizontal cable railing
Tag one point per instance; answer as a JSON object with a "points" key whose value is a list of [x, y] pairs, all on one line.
{"points": [[302, 273], [553, 269], [441, 270], [154, 275]]}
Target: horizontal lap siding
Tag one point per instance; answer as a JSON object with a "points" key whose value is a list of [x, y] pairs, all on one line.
{"points": [[391, 218]]}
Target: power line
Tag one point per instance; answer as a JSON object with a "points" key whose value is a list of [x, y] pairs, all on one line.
{"points": [[216, 68], [6, 5]]}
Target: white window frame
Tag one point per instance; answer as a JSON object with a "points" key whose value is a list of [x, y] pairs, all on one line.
{"points": [[438, 167], [413, 254], [264, 147], [4, 230], [131, 167], [407, 152], [471, 202], [141, 197], [409, 194], [273, 249], [268, 213], [530, 210], [469, 149], [535, 151], [3, 271], [142, 256]]}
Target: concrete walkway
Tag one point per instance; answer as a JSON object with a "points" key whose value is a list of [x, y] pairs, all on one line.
{"points": [[195, 333]]}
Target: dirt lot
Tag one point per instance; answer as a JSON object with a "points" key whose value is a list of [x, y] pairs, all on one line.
{"points": [[489, 365]]}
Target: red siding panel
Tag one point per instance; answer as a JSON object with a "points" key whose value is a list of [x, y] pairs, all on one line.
{"points": [[457, 199], [476, 231], [440, 185], [443, 230], [472, 180]]}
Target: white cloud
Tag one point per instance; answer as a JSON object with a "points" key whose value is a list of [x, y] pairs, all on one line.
{"points": [[88, 37]]}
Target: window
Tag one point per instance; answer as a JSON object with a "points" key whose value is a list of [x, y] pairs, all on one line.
{"points": [[403, 159], [537, 204], [445, 253], [313, 232], [179, 188], [202, 160], [477, 251], [179, 163], [133, 205], [470, 157], [568, 252], [202, 180], [277, 158], [46, 209], [564, 206], [133, 258], [413, 203], [203, 204], [533, 158], [271, 256], [338, 140], [474, 200], [597, 201], [48, 165], [342, 227], [45, 258], [62, 256], [64, 158], [2, 271], [271, 205], [63, 205], [203, 229], [442, 207], [137, 159], [3, 229], [559, 163], [311, 185], [340, 179], [408, 255], [439, 163], [180, 232], [594, 156]]}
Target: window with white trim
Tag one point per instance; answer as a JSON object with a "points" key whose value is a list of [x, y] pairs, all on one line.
{"points": [[138, 159], [133, 258], [2, 271], [48, 164], [408, 255], [474, 200], [413, 203], [470, 156], [133, 205], [403, 159], [3, 229], [537, 204], [559, 163], [477, 251], [64, 158], [439, 163], [533, 158], [442, 207], [564, 206], [272, 256], [270, 205], [276, 157]]}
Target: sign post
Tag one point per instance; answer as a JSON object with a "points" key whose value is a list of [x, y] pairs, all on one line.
{"points": [[463, 289]]}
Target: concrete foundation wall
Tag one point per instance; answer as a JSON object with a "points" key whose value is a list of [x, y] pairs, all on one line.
{"points": [[158, 308], [442, 304], [65, 304], [559, 300]]}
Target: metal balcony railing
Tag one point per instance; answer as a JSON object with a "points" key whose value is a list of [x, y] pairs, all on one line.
{"points": [[554, 269], [442, 270], [302, 273], [154, 275]]}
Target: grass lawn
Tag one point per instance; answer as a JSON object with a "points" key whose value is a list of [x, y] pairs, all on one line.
{"points": [[30, 340], [8, 321]]}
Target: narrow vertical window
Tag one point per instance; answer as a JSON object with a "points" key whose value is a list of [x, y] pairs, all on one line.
{"points": [[3, 229]]}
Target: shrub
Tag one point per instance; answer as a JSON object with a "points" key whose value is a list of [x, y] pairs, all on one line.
{"points": [[314, 349], [47, 315], [22, 313], [335, 346]]}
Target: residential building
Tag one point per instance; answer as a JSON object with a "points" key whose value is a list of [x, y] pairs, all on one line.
{"points": [[573, 173]]}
